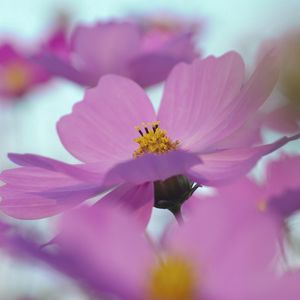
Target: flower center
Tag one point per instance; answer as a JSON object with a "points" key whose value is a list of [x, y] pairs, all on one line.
{"points": [[16, 78], [172, 279], [153, 140]]}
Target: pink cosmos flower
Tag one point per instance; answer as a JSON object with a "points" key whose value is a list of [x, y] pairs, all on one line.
{"points": [[120, 48], [217, 254], [279, 194], [181, 147], [18, 74]]}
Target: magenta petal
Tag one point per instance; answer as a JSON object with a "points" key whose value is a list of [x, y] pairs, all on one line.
{"points": [[283, 185], [248, 256], [283, 174], [151, 68], [22, 193], [286, 203], [31, 74], [182, 47], [105, 121], [151, 167], [242, 190], [225, 165], [138, 199], [111, 251], [283, 119], [77, 171], [280, 288], [114, 45], [154, 66], [58, 67]]}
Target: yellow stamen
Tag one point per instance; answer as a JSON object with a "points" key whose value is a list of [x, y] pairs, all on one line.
{"points": [[172, 279], [153, 140], [16, 78]]}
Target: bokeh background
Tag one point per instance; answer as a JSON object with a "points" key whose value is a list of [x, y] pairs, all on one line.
{"points": [[29, 126]]}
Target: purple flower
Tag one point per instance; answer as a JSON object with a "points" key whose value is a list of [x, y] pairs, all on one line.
{"points": [[18, 74], [123, 48], [122, 143]]}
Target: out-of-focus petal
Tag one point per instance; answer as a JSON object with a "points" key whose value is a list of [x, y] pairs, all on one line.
{"points": [[58, 67], [283, 287], [287, 203], [283, 174], [105, 121], [108, 248], [242, 190], [283, 119], [18, 73], [138, 199], [225, 165], [233, 250], [105, 47], [154, 66], [151, 68], [22, 193]]}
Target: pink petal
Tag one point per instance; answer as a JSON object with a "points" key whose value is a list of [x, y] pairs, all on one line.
{"points": [[283, 185], [225, 165], [283, 287], [152, 167], [154, 65], [242, 192], [231, 247], [132, 173], [254, 92], [58, 67], [283, 174], [21, 195], [138, 199], [109, 248], [215, 102], [247, 135], [182, 47], [114, 45], [248, 256], [196, 94], [105, 121], [151, 68], [82, 172], [286, 203], [283, 119]]}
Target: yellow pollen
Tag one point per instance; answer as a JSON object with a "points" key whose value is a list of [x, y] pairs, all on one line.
{"points": [[172, 279], [16, 78], [153, 140]]}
